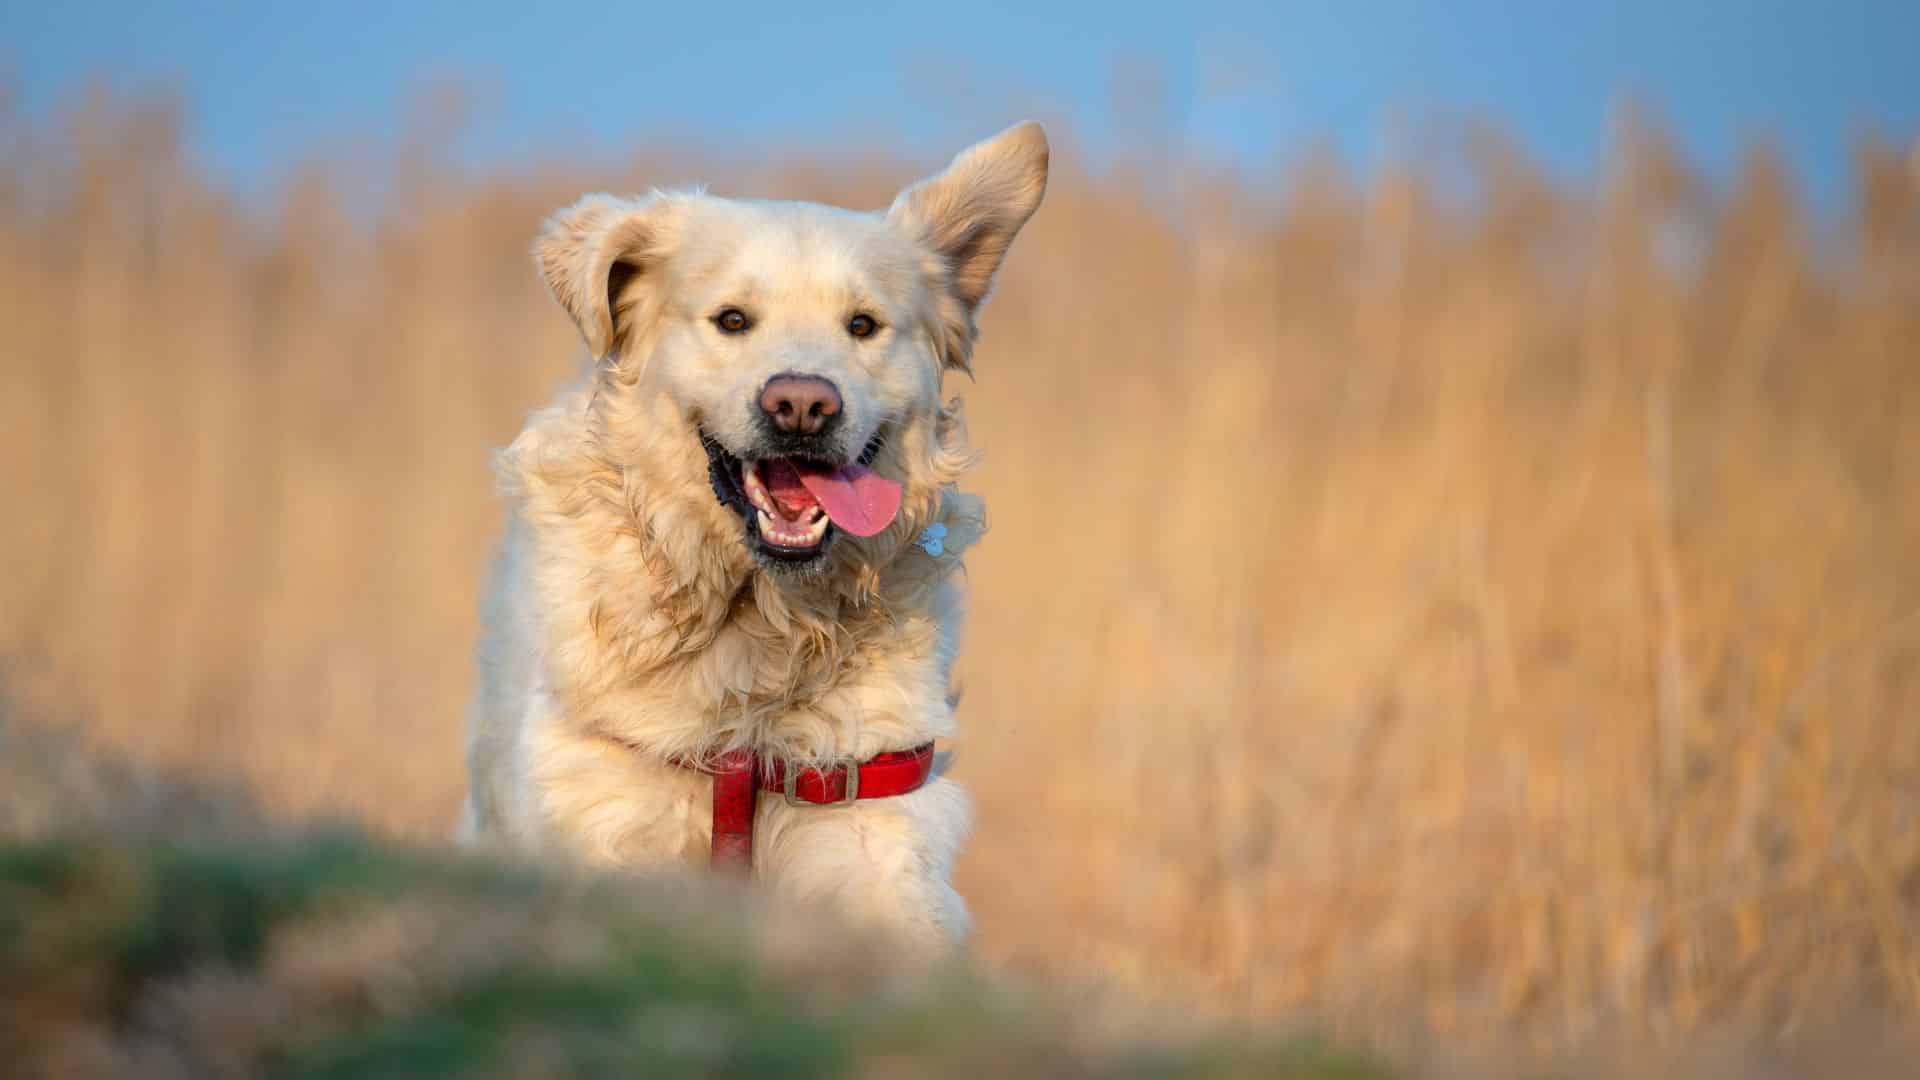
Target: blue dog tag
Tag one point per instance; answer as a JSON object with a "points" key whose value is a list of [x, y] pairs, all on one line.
{"points": [[933, 539]]}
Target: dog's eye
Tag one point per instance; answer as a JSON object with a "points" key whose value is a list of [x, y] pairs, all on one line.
{"points": [[732, 321], [862, 326]]}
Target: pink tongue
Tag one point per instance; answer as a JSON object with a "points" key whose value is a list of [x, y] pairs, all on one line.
{"points": [[855, 497]]}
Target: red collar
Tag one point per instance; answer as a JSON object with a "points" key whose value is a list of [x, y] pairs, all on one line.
{"points": [[740, 776]]}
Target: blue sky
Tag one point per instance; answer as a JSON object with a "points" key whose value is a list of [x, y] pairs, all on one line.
{"points": [[1255, 84]]}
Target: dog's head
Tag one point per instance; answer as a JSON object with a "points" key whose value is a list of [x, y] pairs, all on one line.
{"points": [[798, 347]]}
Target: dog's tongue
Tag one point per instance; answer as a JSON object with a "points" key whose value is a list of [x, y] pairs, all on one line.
{"points": [[855, 497]]}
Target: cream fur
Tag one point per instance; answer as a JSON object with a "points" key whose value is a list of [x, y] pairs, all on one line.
{"points": [[625, 621]]}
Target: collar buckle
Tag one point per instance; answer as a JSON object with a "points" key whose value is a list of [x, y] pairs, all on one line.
{"points": [[790, 785]]}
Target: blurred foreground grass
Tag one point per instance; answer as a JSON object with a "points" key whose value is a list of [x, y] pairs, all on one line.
{"points": [[184, 937], [331, 957]]}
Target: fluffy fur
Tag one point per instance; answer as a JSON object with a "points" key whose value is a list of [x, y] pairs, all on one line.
{"points": [[627, 622]]}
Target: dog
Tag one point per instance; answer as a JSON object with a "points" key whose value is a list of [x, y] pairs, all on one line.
{"points": [[729, 590]]}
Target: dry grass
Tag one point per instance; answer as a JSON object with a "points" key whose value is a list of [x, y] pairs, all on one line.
{"points": [[1495, 611]]}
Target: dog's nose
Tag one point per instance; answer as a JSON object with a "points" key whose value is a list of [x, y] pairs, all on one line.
{"points": [[800, 404]]}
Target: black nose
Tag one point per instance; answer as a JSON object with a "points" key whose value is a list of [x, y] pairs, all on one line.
{"points": [[800, 404]]}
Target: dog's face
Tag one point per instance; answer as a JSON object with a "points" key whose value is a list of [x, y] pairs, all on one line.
{"points": [[801, 346], [793, 342]]}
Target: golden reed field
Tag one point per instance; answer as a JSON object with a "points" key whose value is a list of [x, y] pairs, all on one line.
{"points": [[1446, 601]]}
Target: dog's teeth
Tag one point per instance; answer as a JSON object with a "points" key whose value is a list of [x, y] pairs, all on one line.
{"points": [[778, 532], [756, 490]]}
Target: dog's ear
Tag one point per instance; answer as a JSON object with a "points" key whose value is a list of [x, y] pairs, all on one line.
{"points": [[588, 255], [969, 214]]}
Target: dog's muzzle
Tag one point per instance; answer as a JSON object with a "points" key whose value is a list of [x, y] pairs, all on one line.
{"points": [[794, 502]]}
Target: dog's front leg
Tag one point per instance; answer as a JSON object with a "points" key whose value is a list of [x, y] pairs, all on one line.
{"points": [[885, 863], [610, 806]]}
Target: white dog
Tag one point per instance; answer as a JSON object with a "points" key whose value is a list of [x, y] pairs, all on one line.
{"points": [[727, 594]]}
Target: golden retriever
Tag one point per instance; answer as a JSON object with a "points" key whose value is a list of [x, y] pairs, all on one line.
{"points": [[738, 538]]}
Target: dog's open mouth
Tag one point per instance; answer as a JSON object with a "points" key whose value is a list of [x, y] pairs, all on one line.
{"points": [[793, 506]]}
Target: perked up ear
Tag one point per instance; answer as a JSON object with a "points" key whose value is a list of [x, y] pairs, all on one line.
{"points": [[969, 214], [589, 253]]}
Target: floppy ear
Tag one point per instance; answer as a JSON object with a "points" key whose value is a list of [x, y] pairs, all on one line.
{"points": [[969, 214], [589, 253]]}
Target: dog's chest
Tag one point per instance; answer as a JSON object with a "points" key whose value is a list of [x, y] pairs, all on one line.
{"points": [[869, 672], [750, 659]]}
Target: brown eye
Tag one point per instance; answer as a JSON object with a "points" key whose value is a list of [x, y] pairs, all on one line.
{"points": [[862, 326], [732, 321]]}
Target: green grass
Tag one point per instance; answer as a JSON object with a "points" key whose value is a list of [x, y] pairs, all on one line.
{"points": [[331, 956]]}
